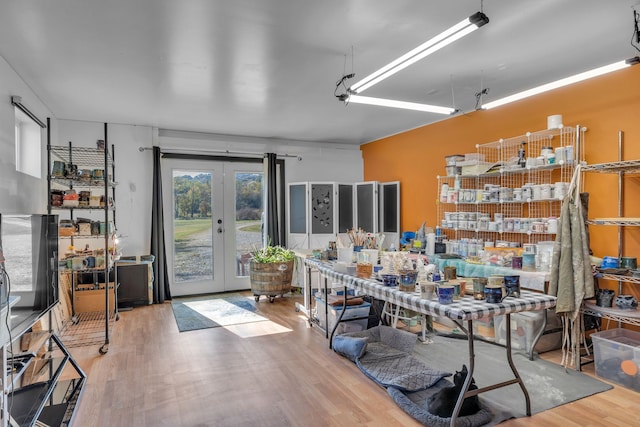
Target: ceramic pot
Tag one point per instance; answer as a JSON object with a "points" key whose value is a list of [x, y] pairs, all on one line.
{"points": [[427, 290], [626, 302], [445, 294], [512, 286], [450, 273], [390, 279], [630, 263], [604, 297], [408, 280], [478, 287], [493, 294]]}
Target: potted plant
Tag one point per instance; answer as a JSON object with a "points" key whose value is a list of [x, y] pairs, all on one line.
{"points": [[271, 271]]}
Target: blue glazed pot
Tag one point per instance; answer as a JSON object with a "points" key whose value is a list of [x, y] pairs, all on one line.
{"points": [[445, 294], [493, 294], [390, 279], [408, 280]]}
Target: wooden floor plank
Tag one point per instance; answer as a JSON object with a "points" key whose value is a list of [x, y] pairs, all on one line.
{"points": [[280, 374]]}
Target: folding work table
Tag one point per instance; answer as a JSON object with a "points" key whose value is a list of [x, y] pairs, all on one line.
{"points": [[466, 309]]}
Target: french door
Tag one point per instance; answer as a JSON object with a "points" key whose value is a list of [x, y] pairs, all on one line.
{"points": [[213, 219]]}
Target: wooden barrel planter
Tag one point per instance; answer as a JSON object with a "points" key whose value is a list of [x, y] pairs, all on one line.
{"points": [[270, 279]]}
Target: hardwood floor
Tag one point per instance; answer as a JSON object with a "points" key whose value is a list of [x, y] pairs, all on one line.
{"points": [[154, 375]]}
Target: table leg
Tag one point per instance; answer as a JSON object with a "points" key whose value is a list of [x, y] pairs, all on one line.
{"points": [[309, 287], [513, 367], [305, 307], [384, 314], [342, 312], [423, 320], [464, 393], [396, 315], [538, 334]]}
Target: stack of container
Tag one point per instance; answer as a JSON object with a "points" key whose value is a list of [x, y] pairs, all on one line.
{"points": [[324, 312]]}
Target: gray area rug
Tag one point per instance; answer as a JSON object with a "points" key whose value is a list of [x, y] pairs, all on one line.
{"points": [[549, 385], [203, 312]]}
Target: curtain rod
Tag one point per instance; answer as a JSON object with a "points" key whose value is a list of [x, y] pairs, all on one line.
{"points": [[17, 101], [224, 152]]}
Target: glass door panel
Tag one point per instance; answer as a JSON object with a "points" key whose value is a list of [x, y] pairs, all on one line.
{"points": [[213, 221], [193, 226], [245, 184], [193, 201]]}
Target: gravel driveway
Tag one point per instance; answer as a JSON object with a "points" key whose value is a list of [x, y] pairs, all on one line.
{"points": [[193, 260]]}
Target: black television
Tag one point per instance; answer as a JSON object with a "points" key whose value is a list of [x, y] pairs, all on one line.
{"points": [[28, 270]]}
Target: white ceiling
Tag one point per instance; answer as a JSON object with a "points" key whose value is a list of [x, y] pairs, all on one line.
{"points": [[268, 68]]}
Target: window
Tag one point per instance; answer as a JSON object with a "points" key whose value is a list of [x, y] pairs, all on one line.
{"points": [[28, 136]]}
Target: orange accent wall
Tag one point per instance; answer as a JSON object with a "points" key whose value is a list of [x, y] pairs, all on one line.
{"points": [[604, 105]]}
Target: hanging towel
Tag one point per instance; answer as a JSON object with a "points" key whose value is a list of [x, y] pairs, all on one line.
{"points": [[571, 277]]}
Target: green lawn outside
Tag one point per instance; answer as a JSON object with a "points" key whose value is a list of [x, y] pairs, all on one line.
{"points": [[252, 226], [184, 228]]}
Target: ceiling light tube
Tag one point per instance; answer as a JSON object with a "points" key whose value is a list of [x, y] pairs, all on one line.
{"points": [[562, 82], [454, 33], [357, 99]]}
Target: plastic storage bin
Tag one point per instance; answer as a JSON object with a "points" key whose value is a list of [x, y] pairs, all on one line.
{"points": [[519, 331], [617, 356], [525, 326], [353, 311], [484, 327]]}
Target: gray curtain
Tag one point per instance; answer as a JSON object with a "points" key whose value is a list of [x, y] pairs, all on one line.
{"points": [[272, 218], [161, 290]]}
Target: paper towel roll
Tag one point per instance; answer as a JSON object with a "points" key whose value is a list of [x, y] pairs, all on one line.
{"points": [[431, 243], [554, 122]]}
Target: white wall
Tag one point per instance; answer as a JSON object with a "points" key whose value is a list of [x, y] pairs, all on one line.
{"points": [[19, 192], [134, 168], [319, 161]]}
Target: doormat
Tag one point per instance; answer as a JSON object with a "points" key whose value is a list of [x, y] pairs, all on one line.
{"points": [[212, 312], [549, 385]]}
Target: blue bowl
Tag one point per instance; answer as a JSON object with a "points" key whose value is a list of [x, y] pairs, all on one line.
{"points": [[610, 262]]}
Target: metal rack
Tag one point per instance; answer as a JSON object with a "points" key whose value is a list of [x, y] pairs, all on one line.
{"points": [[101, 159], [506, 172], [622, 168], [42, 385]]}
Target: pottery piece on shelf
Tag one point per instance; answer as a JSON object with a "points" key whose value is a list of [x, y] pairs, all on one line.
{"points": [[626, 302]]}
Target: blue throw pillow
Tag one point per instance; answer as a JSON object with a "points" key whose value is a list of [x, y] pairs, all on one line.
{"points": [[350, 347]]}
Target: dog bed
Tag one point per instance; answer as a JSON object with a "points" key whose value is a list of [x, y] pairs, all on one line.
{"points": [[384, 354]]}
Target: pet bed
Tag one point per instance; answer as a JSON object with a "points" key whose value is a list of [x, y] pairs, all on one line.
{"points": [[384, 355]]}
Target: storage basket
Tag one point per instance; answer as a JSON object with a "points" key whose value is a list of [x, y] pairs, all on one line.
{"points": [[84, 229], [67, 228], [270, 279]]}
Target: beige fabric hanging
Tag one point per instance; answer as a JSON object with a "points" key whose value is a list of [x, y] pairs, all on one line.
{"points": [[571, 275]]}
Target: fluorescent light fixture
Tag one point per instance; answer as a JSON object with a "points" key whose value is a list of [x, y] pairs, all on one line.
{"points": [[562, 82], [357, 99], [454, 33]]}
